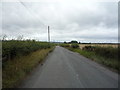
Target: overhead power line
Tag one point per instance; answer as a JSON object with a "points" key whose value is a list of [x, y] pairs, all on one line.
{"points": [[35, 15]]}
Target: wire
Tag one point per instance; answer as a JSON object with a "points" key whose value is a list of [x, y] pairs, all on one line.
{"points": [[31, 13]]}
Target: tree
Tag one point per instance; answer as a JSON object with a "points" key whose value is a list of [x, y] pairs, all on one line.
{"points": [[65, 42], [74, 41]]}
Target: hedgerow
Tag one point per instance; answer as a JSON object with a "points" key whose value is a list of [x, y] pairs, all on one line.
{"points": [[13, 48]]}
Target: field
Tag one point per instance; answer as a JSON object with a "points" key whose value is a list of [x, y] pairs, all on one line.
{"points": [[101, 45], [19, 58]]}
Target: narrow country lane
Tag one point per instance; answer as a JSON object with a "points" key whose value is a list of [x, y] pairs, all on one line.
{"points": [[66, 69]]}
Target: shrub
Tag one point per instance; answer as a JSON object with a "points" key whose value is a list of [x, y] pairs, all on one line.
{"points": [[64, 45], [13, 48], [75, 45], [73, 41]]}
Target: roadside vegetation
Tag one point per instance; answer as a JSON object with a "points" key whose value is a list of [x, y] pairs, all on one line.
{"points": [[82, 45], [107, 56], [17, 48], [64, 45], [20, 58]]}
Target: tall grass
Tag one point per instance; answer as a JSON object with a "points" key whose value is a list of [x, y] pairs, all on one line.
{"points": [[106, 52], [16, 70], [19, 59]]}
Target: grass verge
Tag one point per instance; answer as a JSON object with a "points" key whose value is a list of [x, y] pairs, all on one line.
{"points": [[109, 62], [16, 70]]}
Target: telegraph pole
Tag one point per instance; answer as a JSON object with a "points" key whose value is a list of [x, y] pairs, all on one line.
{"points": [[48, 33]]}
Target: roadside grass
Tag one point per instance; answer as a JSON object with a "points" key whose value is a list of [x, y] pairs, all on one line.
{"points": [[100, 45], [17, 69], [112, 63]]}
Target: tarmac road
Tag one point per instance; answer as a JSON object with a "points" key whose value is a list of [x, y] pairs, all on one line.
{"points": [[65, 69]]}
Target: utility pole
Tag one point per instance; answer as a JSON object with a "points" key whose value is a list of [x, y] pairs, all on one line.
{"points": [[48, 33]]}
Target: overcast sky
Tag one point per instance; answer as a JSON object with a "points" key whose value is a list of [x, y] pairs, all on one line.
{"points": [[68, 20]]}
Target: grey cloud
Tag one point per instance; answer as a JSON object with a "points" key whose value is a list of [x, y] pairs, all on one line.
{"points": [[67, 21]]}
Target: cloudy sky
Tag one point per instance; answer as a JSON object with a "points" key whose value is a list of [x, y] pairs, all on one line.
{"points": [[93, 21]]}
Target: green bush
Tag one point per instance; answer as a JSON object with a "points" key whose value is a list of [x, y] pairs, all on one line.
{"points": [[74, 45], [13, 48], [64, 45], [73, 41]]}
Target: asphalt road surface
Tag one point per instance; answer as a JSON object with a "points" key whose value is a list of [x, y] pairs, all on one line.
{"points": [[66, 69]]}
